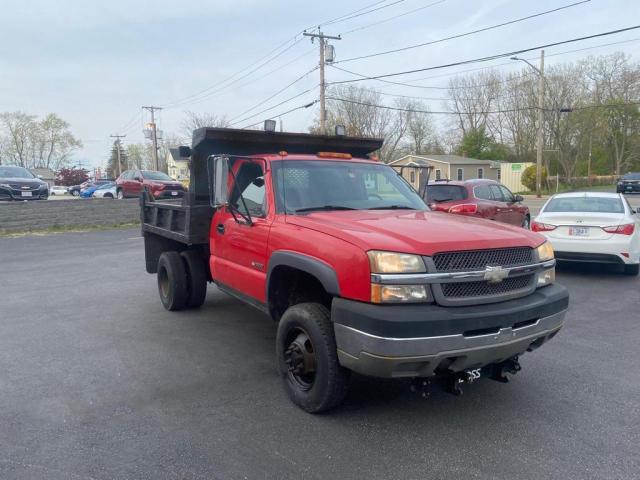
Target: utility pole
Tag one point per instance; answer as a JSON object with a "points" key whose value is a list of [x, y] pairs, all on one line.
{"points": [[322, 41], [154, 135], [540, 143], [118, 137]]}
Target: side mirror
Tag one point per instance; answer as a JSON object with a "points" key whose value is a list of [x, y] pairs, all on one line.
{"points": [[218, 168], [519, 198]]}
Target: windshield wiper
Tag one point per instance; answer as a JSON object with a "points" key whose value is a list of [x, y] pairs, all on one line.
{"points": [[323, 207], [393, 207], [440, 200]]}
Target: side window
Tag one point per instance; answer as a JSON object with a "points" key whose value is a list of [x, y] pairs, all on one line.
{"points": [[481, 173], [506, 193], [460, 174], [250, 182], [482, 192], [438, 174], [496, 193]]}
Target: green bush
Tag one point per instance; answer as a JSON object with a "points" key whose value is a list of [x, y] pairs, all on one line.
{"points": [[529, 177]]}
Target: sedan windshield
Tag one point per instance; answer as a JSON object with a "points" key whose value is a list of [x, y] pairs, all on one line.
{"points": [[151, 175], [306, 186], [585, 205], [15, 172]]}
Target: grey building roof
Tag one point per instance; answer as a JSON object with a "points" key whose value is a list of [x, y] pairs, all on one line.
{"points": [[45, 173], [455, 159], [175, 153]]}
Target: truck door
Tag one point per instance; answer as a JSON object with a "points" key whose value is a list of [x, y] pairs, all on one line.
{"points": [[239, 248]]}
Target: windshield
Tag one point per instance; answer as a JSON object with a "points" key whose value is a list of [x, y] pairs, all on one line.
{"points": [[631, 176], [445, 193], [15, 172], [325, 185], [151, 175], [585, 205]]}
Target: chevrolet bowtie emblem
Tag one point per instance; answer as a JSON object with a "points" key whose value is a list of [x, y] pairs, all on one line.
{"points": [[495, 274]]}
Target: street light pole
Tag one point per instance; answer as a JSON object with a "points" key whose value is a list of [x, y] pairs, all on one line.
{"points": [[540, 139]]}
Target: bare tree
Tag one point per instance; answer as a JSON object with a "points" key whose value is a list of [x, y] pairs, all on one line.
{"points": [[195, 120], [18, 136]]}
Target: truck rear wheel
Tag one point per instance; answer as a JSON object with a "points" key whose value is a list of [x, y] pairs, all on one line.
{"points": [[308, 359], [172, 281], [196, 278]]}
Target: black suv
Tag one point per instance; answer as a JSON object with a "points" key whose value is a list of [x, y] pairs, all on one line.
{"points": [[629, 183], [18, 183]]}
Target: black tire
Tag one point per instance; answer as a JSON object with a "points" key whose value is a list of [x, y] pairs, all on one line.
{"points": [[195, 268], [526, 223], [326, 386], [172, 281], [108, 195], [632, 270]]}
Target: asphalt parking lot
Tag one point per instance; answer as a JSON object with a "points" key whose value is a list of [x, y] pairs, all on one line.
{"points": [[100, 382]]}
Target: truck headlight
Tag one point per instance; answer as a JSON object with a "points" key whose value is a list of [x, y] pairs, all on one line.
{"points": [[545, 252], [399, 293], [392, 262]]}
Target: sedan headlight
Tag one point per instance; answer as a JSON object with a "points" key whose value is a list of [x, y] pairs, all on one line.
{"points": [[392, 262], [545, 252], [399, 293]]}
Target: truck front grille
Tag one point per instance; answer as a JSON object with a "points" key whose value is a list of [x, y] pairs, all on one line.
{"points": [[479, 292], [484, 289], [479, 259]]}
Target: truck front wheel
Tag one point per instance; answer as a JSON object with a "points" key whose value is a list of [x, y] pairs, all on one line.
{"points": [[308, 359], [172, 281]]}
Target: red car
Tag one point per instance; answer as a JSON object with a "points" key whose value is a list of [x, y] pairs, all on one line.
{"points": [[478, 198], [161, 185]]}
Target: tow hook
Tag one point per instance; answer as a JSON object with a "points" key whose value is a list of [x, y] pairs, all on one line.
{"points": [[452, 382]]}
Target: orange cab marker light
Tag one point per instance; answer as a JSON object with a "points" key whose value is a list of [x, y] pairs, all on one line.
{"points": [[283, 153], [334, 155]]}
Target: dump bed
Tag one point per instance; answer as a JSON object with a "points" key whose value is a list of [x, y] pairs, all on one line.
{"points": [[182, 221]]}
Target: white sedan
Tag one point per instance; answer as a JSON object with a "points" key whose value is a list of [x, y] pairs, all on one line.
{"points": [[58, 190], [592, 227]]}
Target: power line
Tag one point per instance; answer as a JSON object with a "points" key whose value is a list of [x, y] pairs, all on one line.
{"points": [[285, 113], [446, 112], [510, 22], [344, 18], [491, 57], [304, 75], [394, 17], [274, 106]]}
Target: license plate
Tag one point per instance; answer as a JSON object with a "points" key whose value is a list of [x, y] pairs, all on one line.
{"points": [[579, 231], [174, 193], [26, 194], [629, 187]]}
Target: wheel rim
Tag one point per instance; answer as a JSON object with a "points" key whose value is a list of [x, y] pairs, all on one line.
{"points": [[526, 222], [120, 194], [163, 282], [300, 358]]}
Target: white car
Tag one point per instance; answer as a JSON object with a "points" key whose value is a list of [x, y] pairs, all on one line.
{"points": [[108, 190], [58, 190], [592, 227]]}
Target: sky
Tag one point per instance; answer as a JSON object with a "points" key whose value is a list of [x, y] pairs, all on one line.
{"points": [[96, 63]]}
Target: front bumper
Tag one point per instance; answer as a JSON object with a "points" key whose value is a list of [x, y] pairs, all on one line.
{"points": [[15, 194], [422, 340], [166, 194]]}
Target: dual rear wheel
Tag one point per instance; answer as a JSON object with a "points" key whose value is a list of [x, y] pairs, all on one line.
{"points": [[182, 280]]}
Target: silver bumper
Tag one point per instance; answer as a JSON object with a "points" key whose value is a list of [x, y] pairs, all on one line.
{"points": [[420, 357]]}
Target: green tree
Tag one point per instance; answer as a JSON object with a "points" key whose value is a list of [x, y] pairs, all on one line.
{"points": [[476, 143], [529, 177]]}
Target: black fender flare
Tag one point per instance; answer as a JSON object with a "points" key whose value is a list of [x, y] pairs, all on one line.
{"points": [[324, 272]]}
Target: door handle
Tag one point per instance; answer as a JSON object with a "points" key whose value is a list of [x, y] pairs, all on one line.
{"points": [[220, 228]]}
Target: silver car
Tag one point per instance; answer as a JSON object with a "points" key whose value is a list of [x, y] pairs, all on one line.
{"points": [[108, 190]]}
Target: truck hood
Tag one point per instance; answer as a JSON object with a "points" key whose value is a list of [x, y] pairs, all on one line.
{"points": [[419, 232]]}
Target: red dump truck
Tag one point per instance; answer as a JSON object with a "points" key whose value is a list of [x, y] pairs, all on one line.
{"points": [[359, 274]]}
